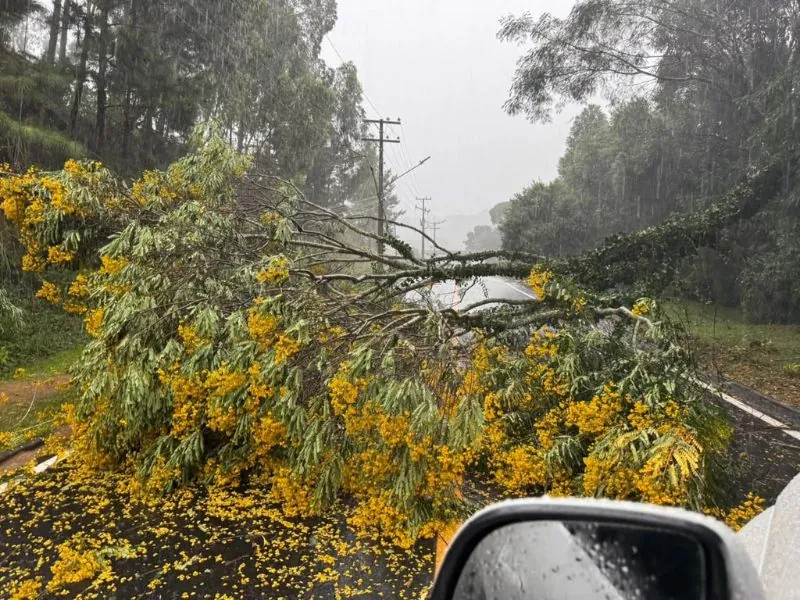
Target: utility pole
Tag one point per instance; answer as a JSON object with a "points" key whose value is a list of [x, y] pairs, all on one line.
{"points": [[381, 140], [435, 226], [424, 212]]}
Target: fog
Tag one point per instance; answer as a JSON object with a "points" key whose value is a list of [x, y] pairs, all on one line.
{"points": [[438, 65]]}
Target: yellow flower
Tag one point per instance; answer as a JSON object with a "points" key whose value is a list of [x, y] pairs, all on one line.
{"points": [[595, 416], [269, 432], [343, 392], [187, 405], [49, 292], [223, 381], [294, 494], [376, 516], [13, 207], [73, 167], [538, 282], [59, 256], [519, 469], [261, 328], [75, 308], [285, 348], [112, 266], [640, 417], [94, 322], [579, 304], [33, 264], [20, 373], [277, 272], [29, 589], [190, 338], [641, 308], [79, 287], [73, 566], [739, 516]]}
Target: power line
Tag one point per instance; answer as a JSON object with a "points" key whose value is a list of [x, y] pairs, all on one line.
{"points": [[381, 140], [363, 92], [424, 212], [407, 151]]}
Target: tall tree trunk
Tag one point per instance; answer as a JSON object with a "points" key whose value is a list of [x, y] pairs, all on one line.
{"points": [[80, 75], [127, 121], [146, 147], [127, 109], [55, 22], [102, 64], [65, 17]]}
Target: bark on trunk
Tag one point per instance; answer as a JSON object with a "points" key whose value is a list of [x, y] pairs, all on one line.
{"points": [[127, 109], [102, 64], [127, 122], [80, 76], [55, 22], [65, 17]]}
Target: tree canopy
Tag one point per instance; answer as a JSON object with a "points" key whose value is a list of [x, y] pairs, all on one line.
{"points": [[699, 96]]}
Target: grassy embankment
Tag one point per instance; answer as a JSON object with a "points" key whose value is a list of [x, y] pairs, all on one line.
{"points": [[34, 360], [763, 357]]}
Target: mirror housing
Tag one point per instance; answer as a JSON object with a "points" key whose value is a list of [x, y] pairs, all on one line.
{"points": [[728, 571]]}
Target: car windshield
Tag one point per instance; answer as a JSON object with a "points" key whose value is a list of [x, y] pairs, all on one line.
{"points": [[290, 288]]}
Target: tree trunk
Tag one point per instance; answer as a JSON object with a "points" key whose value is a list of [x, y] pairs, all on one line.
{"points": [[80, 75], [146, 147], [240, 139], [102, 64], [127, 122], [55, 22], [127, 109], [65, 16]]}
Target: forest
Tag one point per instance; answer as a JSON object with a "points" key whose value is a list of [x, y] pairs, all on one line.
{"points": [[694, 99], [192, 247]]}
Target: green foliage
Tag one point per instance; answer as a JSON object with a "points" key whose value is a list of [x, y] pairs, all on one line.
{"points": [[10, 314], [12, 12], [23, 424], [482, 238], [542, 219], [229, 349], [254, 67], [21, 142], [35, 334], [675, 149], [717, 328]]}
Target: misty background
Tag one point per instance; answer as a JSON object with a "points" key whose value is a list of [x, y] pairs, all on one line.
{"points": [[439, 67]]}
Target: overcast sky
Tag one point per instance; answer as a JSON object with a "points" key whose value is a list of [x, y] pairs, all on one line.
{"points": [[439, 66]]}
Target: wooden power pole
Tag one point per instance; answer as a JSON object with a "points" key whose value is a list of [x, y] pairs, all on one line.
{"points": [[435, 226], [381, 140]]}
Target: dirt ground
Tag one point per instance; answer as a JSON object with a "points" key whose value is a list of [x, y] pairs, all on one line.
{"points": [[19, 391], [769, 382]]}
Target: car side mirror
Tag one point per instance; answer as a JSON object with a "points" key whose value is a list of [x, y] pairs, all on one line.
{"points": [[543, 549]]}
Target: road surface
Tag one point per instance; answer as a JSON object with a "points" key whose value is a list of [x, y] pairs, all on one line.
{"points": [[450, 294]]}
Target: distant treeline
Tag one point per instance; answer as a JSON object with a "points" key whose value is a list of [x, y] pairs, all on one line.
{"points": [[700, 95]]}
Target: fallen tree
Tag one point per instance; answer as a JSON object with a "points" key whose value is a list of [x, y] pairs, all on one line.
{"points": [[268, 342]]}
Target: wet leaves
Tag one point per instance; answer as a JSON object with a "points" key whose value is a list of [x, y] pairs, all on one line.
{"points": [[88, 536]]}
